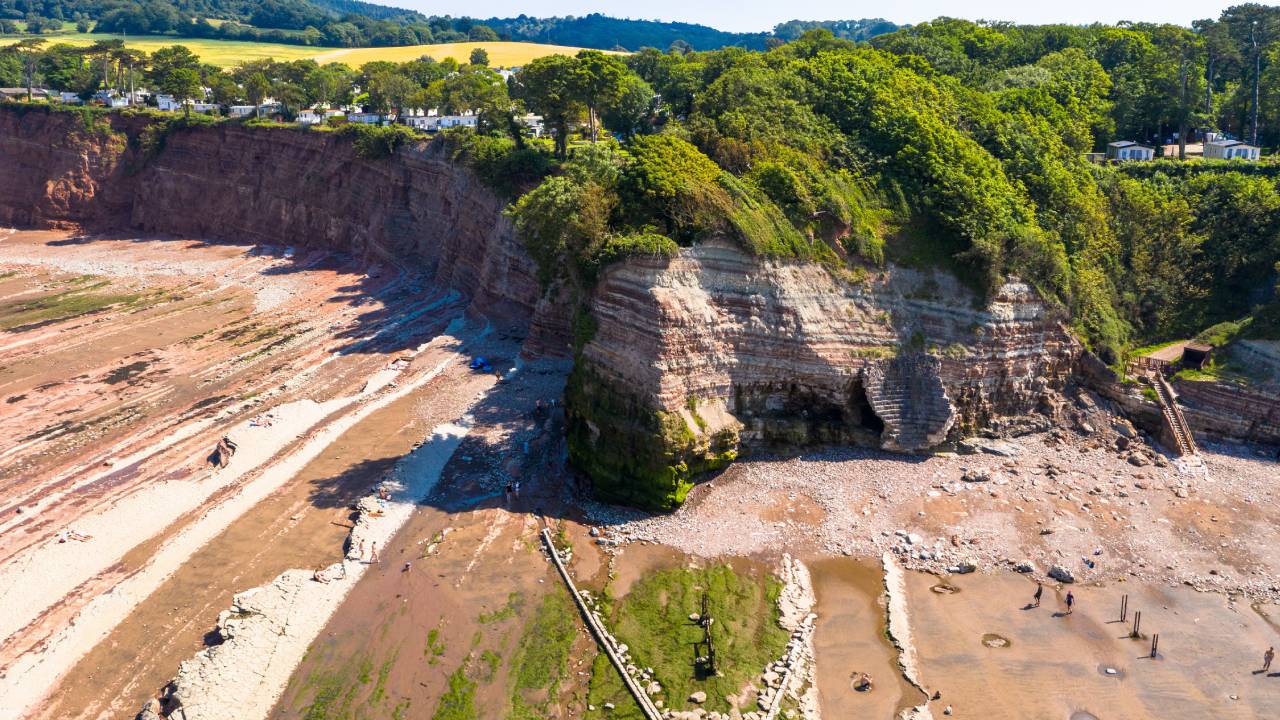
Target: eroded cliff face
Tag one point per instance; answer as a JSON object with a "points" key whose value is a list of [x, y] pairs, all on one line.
{"points": [[692, 359], [263, 185], [698, 357]]}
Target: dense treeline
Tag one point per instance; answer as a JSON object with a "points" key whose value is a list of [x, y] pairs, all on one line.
{"points": [[353, 23], [1156, 79], [849, 155]]}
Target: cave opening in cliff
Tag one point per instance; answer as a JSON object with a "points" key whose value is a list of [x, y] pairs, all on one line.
{"points": [[861, 412]]}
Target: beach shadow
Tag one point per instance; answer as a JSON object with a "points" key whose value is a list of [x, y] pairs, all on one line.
{"points": [[1061, 614], [1030, 606], [1274, 674]]}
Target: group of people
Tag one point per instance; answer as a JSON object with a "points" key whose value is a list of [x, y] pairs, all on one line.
{"points": [[373, 555], [1035, 599]]}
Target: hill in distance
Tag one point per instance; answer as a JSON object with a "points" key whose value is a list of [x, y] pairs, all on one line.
{"points": [[354, 23]]}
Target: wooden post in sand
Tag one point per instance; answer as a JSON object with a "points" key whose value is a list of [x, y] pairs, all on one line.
{"points": [[1137, 624], [1124, 607], [1155, 644]]}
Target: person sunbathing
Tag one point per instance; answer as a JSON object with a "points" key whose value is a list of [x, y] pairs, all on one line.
{"points": [[69, 534]]}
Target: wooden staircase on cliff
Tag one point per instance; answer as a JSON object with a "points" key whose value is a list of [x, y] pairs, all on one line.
{"points": [[1175, 424]]}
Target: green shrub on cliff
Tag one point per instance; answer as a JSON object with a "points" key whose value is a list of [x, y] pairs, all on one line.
{"points": [[505, 166], [375, 142]]}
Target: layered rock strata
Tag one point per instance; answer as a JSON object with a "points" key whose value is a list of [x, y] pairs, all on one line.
{"points": [[699, 356], [281, 186], [693, 359]]}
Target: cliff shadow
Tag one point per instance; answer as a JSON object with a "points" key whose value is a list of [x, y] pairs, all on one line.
{"points": [[395, 307]]}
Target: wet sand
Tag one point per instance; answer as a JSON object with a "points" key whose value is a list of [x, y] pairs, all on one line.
{"points": [[474, 579], [122, 363], [302, 525], [1054, 665], [849, 639]]}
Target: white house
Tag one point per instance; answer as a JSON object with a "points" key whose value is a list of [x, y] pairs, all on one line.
{"points": [[204, 107], [1129, 150], [426, 123], [309, 117], [434, 123], [1230, 149], [168, 103], [69, 98], [21, 93], [533, 123], [239, 111], [365, 118], [110, 99]]}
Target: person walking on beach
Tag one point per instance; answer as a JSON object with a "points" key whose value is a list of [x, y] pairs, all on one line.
{"points": [[373, 558], [360, 551], [1039, 592], [1071, 601], [1267, 657]]}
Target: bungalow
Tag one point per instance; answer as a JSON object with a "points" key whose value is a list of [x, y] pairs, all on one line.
{"points": [[239, 111], [365, 118], [309, 117], [204, 107], [69, 98], [110, 99], [533, 123], [1129, 150], [21, 93], [168, 103], [434, 123], [1229, 149]]}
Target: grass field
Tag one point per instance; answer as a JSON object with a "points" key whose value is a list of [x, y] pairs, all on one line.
{"points": [[229, 52]]}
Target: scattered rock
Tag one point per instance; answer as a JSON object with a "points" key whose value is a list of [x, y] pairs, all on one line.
{"points": [[1061, 574]]}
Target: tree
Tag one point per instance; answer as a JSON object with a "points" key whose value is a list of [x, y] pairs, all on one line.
{"points": [[390, 91], [549, 87], [631, 113], [30, 52], [479, 56], [1220, 53], [1253, 27], [599, 83], [83, 25], [104, 51], [183, 84], [328, 84], [171, 60], [223, 89], [256, 87], [482, 33]]}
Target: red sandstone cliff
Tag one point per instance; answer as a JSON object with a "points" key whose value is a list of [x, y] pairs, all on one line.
{"points": [[262, 185], [691, 358], [715, 349]]}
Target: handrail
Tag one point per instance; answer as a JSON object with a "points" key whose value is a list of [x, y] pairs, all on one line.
{"points": [[602, 638]]}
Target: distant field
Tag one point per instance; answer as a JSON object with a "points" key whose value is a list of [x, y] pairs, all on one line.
{"points": [[501, 54], [230, 52]]}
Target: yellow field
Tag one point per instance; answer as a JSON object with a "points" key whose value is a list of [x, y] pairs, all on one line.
{"points": [[229, 52], [501, 54]]}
